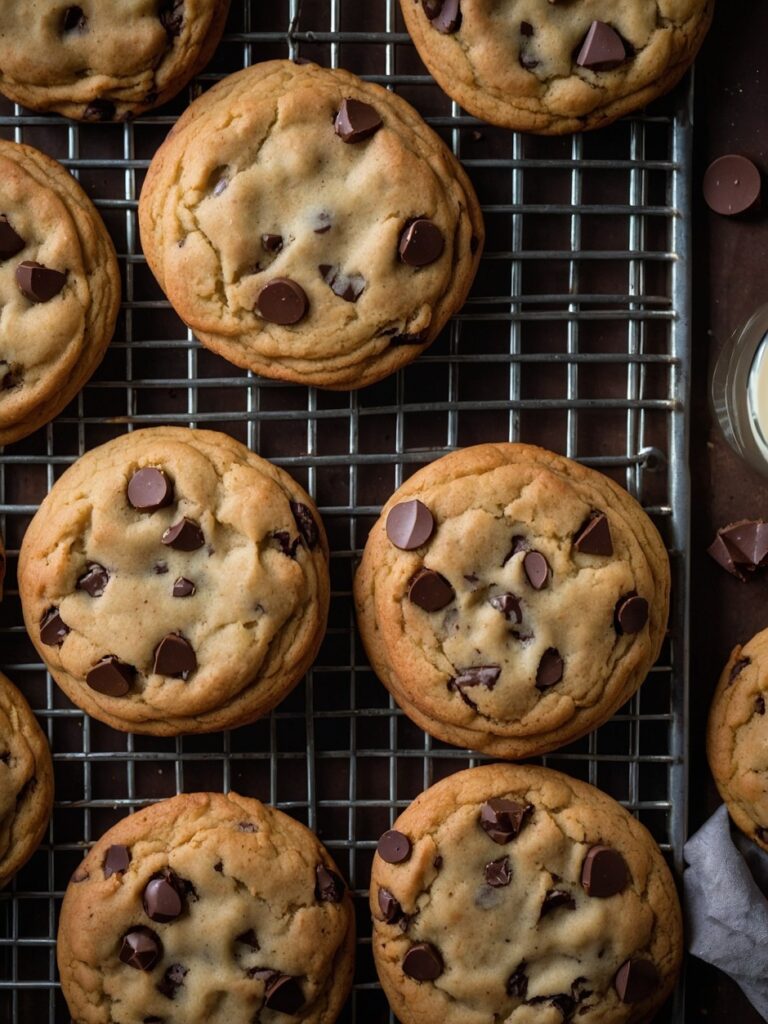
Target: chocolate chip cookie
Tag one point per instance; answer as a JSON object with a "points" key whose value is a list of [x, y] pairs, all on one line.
{"points": [[173, 581], [737, 735], [59, 289], [309, 226], [26, 781], [206, 909], [104, 60], [514, 893], [512, 600], [556, 66]]}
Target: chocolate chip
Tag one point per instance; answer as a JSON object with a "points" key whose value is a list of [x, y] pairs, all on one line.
{"points": [[175, 657], [407, 339], [430, 591], [389, 907], [249, 938], [437, 863], [421, 243], [604, 872], [536, 569], [738, 668], [526, 28], [356, 121], [410, 525], [272, 243], [74, 20], [94, 581], [38, 283], [762, 834], [247, 826], [445, 15], [111, 677], [11, 244], [185, 535], [760, 704], [747, 541], [602, 49], [172, 980], [329, 887], [732, 185], [171, 15], [498, 873], [141, 948], [284, 994], [594, 536], [508, 605], [423, 962], [282, 302], [149, 489], [517, 983], [100, 110], [346, 286], [162, 898], [562, 1002], [504, 820], [160, 568], [477, 675], [394, 847], [636, 980], [116, 860], [183, 587], [53, 629], [221, 186], [306, 524], [528, 61], [724, 556], [556, 899], [631, 614], [286, 545], [550, 670], [518, 544]]}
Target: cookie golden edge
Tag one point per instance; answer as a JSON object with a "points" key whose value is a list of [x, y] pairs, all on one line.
{"points": [[477, 459], [235, 713]]}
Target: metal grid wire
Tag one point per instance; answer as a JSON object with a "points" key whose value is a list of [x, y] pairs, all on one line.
{"points": [[575, 337]]}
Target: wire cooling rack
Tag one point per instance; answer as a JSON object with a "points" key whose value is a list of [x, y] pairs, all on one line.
{"points": [[576, 336]]}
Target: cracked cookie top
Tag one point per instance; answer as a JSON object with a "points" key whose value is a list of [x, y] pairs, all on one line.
{"points": [[511, 599], [736, 739], [310, 226], [173, 582], [556, 66], [206, 909], [517, 894], [26, 781], [104, 60]]}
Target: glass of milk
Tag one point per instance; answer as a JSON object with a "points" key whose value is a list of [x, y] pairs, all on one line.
{"points": [[740, 391]]}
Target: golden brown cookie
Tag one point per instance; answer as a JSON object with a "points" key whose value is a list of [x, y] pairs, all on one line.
{"points": [[309, 226], [26, 781], [514, 893], [556, 66], [104, 60], [512, 600], [206, 909], [173, 581]]}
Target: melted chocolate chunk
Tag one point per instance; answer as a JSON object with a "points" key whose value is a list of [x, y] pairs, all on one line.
{"points": [[760, 704], [536, 568], [390, 908], [631, 614], [394, 847], [117, 860], [636, 980], [477, 675], [172, 980], [594, 536], [286, 545], [555, 899], [602, 49], [738, 668], [282, 302], [183, 587], [356, 121], [305, 523], [509, 606], [11, 244], [171, 15], [175, 657], [329, 888], [38, 283], [423, 962], [550, 670], [519, 544], [445, 15], [74, 20], [141, 948], [283, 994], [498, 873], [53, 629], [421, 243], [517, 983], [94, 581], [272, 243], [249, 938], [163, 897], [111, 677], [504, 820], [604, 872], [185, 535], [346, 286], [410, 525], [430, 591], [100, 110], [149, 489]]}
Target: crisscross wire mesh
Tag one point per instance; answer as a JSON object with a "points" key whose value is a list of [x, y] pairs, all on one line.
{"points": [[575, 337]]}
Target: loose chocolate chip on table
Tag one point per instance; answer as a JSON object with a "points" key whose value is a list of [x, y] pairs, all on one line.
{"points": [[175, 657], [346, 286], [389, 907], [329, 887], [423, 962], [111, 677], [183, 587], [38, 283], [171, 15], [53, 629], [536, 569], [272, 243], [149, 489], [94, 581], [141, 949], [185, 535], [555, 899], [116, 861], [100, 110], [498, 873], [604, 872], [760, 704], [519, 544], [421, 243], [306, 524], [162, 898], [517, 983], [508, 605], [602, 49], [477, 675], [503, 820], [172, 980], [732, 185], [283, 994], [445, 15], [74, 20], [11, 244], [594, 536], [636, 980], [631, 614], [356, 121], [742, 547], [430, 591], [410, 524], [394, 847], [550, 670], [282, 302]]}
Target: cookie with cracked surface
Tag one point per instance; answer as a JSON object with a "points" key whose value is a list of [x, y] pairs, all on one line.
{"points": [[309, 226], [105, 60], [59, 289], [173, 581], [526, 897], [206, 909], [512, 600], [736, 737], [26, 781], [554, 66]]}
